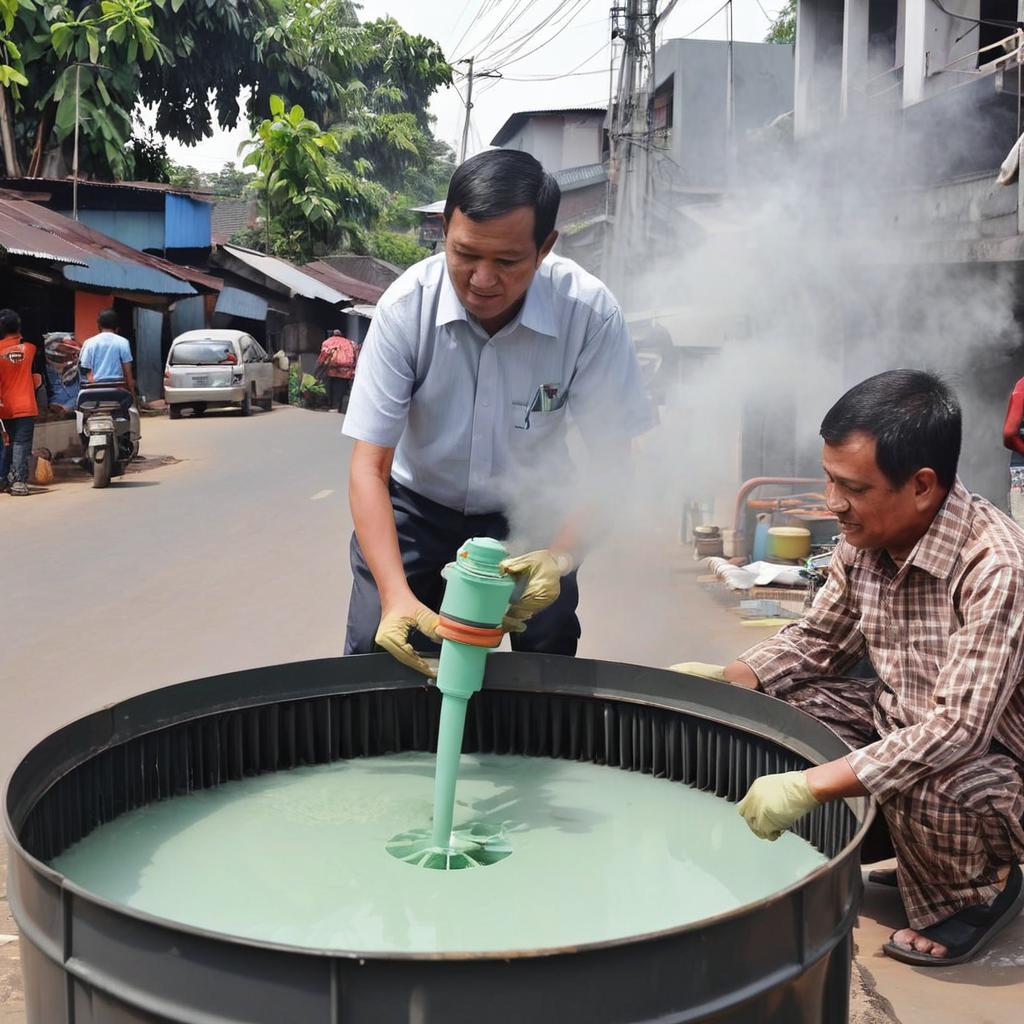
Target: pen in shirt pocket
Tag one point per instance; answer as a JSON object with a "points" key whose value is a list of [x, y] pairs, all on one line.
{"points": [[547, 398]]}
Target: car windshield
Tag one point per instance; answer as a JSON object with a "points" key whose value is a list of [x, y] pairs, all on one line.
{"points": [[203, 353]]}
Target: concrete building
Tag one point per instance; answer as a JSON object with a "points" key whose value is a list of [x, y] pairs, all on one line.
{"points": [[559, 138], [691, 104]]}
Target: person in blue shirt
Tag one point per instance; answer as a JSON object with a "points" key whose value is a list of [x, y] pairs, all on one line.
{"points": [[107, 357]]}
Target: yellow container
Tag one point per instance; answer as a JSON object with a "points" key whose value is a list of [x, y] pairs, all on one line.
{"points": [[790, 542]]}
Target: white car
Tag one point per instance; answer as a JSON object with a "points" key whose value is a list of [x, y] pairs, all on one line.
{"points": [[217, 367]]}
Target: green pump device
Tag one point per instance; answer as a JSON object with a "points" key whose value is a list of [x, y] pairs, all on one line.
{"points": [[476, 597]]}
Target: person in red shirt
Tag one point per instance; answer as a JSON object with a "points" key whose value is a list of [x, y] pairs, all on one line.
{"points": [[337, 359], [1012, 439], [18, 410]]}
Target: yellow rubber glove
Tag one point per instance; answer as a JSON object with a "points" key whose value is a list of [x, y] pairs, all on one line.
{"points": [[394, 629], [543, 571], [774, 802], [700, 669]]}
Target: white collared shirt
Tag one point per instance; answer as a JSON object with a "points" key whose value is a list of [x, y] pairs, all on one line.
{"points": [[453, 402]]}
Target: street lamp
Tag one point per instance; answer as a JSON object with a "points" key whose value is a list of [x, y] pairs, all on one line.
{"points": [[78, 65]]}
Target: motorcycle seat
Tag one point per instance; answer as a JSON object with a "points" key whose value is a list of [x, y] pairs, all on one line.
{"points": [[107, 396]]}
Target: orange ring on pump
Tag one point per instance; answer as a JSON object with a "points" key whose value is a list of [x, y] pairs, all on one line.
{"points": [[475, 636]]}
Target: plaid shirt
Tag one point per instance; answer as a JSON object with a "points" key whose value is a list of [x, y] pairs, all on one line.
{"points": [[944, 631]]}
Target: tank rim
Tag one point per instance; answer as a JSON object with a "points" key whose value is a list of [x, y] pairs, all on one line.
{"points": [[402, 679]]}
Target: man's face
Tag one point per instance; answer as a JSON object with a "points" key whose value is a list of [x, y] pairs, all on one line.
{"points": [[872, 513], [492, 262]]}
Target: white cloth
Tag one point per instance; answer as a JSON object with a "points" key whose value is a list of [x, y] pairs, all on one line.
{"points": [[453, 402]]}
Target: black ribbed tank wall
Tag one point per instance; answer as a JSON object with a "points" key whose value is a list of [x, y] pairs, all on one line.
{"points": [[229, 745]]}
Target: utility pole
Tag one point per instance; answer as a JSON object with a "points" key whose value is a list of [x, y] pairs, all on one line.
{"points": [[730, 102], [74, 160], [469, 108]]}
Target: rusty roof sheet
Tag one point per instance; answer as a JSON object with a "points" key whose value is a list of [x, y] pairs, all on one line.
{"points": [[362, 291], [25, 239], [90, 257], [297, 281]]}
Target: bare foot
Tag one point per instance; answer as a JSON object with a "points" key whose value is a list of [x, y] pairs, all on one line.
{"points": [[909, 939]]}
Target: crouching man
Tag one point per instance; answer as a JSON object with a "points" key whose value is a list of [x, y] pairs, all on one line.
{"points": [[928, 582]]}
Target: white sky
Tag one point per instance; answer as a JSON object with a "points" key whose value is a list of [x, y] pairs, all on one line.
{"points": [[579, 40]]}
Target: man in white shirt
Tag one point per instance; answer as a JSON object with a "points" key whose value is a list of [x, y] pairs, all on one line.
{"points": [[474, 360]]}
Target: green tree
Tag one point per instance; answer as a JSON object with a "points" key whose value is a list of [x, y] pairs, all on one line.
{"points": [[783, 28], [310, 204], [399, 249], [228, 181], [61, 44]]}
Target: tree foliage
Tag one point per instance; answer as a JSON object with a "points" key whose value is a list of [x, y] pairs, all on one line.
{"points": [[347, 146], [783, 28], [311, 204], [396, 248]]}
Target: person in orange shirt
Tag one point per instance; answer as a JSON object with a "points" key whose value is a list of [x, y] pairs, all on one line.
{"points": [[1013, 439], [18, 409]]}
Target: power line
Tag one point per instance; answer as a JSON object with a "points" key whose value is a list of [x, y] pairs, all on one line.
{"points": [[502, 29], [553, 18], [571, 15], [488, 6], [710, 17], [568, 74]]}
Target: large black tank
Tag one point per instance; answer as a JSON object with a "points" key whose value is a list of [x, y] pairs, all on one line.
{"points": [[784, 960]]}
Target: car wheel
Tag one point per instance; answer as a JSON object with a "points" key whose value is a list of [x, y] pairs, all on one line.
{"points": [[247, 404], [174, 411]]}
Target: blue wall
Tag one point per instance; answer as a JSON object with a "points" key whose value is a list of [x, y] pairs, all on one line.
{"points": [[186, 223], [141, 229]]}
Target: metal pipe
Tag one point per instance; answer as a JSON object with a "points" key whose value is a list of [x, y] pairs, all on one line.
{"points": [[765, 481]]}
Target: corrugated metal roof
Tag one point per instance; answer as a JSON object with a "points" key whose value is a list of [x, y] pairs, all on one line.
{"points": [[516, 120], [21, 239], [95, 259], [231, 216], [580, 177], [287, 274], [126, 276], [370, 269], [203, 195], [237, 302], [362, 291], [430, 208]]}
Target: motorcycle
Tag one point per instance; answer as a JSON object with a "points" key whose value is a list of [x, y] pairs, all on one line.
{"points": [[108, 424]]}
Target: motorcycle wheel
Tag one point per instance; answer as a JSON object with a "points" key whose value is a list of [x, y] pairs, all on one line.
{"points": [[174, 411], [247, 404], [102, 468]]}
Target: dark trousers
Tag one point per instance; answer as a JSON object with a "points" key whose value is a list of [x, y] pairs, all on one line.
{"points": [[14, 457], [429, 536], [338, 390]]}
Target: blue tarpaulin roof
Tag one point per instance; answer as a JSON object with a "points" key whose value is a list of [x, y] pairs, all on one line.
{"points": [[126, 276]]}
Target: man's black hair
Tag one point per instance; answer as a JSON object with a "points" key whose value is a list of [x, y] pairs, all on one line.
{"points": [[10, 322], [499, 181], [108, 320], [914, 418]]}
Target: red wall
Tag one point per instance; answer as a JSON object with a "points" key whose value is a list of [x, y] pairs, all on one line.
{"points": [[88, 306]]}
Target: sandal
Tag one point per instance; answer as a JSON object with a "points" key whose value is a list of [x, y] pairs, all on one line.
{"points": [[967, 931]]}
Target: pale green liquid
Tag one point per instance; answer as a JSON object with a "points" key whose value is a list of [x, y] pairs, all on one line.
{"points": [[298, 857]]}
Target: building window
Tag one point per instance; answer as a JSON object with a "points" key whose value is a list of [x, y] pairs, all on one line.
{"points": [[883, 21], [664, 98], [994, 12]]}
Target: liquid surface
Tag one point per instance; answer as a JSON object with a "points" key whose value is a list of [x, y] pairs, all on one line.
{"points": [[298, 857]]}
